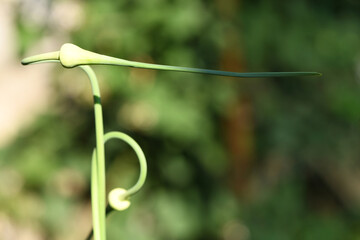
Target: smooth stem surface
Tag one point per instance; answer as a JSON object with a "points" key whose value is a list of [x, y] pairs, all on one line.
{"points": [[71, 56], [143, 169], [217, 72], [98, 184], [98, 181], [139, 153]]}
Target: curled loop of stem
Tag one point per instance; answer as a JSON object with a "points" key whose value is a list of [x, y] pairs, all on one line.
{"points": [[118, 197]]}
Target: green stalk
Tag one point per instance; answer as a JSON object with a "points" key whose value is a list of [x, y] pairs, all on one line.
{"points": [[71, 56], [142, 176], [98, 181], [139, 153], [98, 184], [211, 72]]}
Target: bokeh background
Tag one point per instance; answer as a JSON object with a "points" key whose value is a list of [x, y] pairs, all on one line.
{"points": [[229, 159]]}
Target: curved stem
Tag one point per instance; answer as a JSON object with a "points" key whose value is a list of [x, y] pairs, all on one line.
{"points": [[142, 162], [98, 184], [140, 155]]}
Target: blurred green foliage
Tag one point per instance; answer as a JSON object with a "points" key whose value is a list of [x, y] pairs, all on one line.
{"points": [[298, 151]]}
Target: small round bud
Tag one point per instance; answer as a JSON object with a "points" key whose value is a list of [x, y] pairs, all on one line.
{"points": [[117, 199]]}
